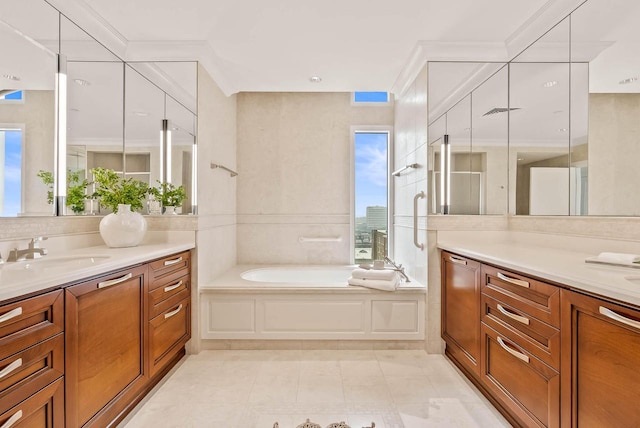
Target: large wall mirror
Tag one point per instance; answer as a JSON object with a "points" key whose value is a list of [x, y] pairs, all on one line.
{"points": [[554, 132], [467, 131], [29, 35], [112, 114]]}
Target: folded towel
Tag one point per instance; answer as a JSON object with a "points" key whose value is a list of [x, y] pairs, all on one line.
{"points": [[375, 283], [382, 274], [623, 258]]}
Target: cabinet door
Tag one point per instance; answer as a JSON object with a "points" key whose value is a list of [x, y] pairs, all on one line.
{"points": [[44, 409], [461, 309], [106, 328], [600, 363]]}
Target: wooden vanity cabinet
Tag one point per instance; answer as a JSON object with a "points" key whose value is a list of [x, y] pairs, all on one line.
{"points": [[32, 361], [169, 309], [461, 310], [601, 363], [106, 332]]}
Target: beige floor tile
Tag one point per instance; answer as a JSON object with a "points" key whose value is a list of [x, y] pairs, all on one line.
{"points": [[411, 389], [274, 389], [377, 393], [320, 389]]}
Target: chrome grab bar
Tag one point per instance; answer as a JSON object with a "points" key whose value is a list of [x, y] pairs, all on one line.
{"points": [[415, 220], [230, 171], [397, 172]]}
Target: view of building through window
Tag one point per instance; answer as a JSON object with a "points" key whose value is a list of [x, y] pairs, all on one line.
{"points": [[371, 196], [11, 164], [371, 97]]}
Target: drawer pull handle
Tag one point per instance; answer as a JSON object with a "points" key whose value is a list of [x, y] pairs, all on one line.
{"points": [[457, 260], [12, 420], [518, 355], [172, 287], [172, 313], [519, 282], [11, 367], [111, 282], [513, 316], [172, 262], [617, 317], [11, 314]]}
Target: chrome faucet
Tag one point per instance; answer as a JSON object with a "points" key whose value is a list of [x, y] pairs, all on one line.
{"points": [[397, 267], [32, 252]]}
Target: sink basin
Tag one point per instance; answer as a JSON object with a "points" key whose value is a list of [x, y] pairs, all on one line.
{"points": [[62, 262]]}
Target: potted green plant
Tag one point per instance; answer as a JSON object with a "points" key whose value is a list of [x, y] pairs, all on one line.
{"points": [[76, 189], [124, 227], [169, 195]]}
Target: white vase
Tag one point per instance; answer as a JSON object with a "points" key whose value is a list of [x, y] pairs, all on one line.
{"points": [[125, 228], [170, 210]]}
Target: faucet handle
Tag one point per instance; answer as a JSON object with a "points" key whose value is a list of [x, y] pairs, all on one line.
{"points": [[34, 241]]}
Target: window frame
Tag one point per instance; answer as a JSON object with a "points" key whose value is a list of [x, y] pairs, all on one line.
{"points": [[387, 103], [370, 129]]}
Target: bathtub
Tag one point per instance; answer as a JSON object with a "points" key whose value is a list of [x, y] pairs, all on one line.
{"points": [[307, 302]]}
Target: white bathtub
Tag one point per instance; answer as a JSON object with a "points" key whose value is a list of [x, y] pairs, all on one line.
{"points": [[300, 276], [307, 302]]}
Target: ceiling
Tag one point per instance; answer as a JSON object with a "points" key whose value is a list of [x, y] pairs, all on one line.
{"points": [[278, 45]]}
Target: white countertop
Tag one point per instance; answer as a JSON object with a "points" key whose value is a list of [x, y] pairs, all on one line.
{"points": [[26, 277], [561, 260]]}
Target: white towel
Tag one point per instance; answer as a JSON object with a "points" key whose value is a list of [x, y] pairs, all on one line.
{"points": [[382, 274], [623, 258], [375, 283]]}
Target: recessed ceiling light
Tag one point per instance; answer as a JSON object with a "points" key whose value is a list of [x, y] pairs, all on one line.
{"points": [[520, 159], [82, 82], [562, 129], [627, 81], [140, 113], [73, 109], [550, 84], [558, 111], [315, 79], [11, 77]]}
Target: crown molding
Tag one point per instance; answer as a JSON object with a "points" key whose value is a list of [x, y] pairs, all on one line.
{"points": [[189, 50], [552, 12], [83, 15]]}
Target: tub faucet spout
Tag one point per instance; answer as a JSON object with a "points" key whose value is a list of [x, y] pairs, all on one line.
{"points": [[398, 268]]}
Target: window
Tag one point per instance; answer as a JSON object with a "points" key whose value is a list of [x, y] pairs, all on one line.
{"points": [[370, 196], [11, 164], [371, 98], [14, 96]]}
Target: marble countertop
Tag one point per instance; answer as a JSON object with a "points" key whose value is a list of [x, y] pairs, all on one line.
{"points": [[559, 263], [26, 277]]}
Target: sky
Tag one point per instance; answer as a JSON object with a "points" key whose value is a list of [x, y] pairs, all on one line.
{"points": [[12, 176], [371, 171]]}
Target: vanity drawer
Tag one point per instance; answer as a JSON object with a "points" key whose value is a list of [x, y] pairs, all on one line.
{"points": [[168, 293], [536, 298], [541, 339], [168, 333], [526, 386], [29, 321], [167, 265], [28, 371], [44, 409]]}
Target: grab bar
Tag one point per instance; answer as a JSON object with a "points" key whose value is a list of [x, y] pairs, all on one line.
{"points": [[320, 239], [231, 172], [397, 172], [415, 220]]}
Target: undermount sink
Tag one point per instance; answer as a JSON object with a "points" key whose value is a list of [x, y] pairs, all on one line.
{"points": [[634, 279], [62, 262]]}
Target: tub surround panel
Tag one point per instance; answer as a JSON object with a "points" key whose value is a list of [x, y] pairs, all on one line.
{"points": [[280, 244], [218, 249], [294, 165]]}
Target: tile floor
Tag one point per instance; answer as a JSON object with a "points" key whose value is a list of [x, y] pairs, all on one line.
{"points": [[246, 389]]}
